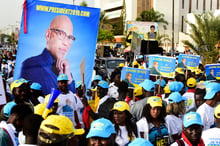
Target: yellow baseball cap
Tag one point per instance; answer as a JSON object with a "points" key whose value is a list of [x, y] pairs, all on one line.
{"points": [[121, 65], [179, 70], [166, 89], [121, 106], [62, 126], [47, 98], [191, 82], [138, 91], [15, 84], [136, 63], [198, 71], [141, 67], [39, 109], [217, 111], [154, 101]]}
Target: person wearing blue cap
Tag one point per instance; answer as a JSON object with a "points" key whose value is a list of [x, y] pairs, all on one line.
{"points": [[174, 110], [148, 88], [162, 84], [206, 110], [36, 96], [102, 133], [67, 104], [192, 131], [140, 142]]}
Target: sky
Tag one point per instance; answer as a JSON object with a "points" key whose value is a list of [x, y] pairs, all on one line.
{"points": [[11, 11]]}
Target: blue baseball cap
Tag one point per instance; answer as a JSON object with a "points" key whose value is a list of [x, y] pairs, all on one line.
{"points": [[192, 118], [140, 56], [211, 89], [162, 83], [176, 97], [176, 86], [97, 77], [101, 128], [140, 141], [148, 85], [78, 84], [23, 80], [62, 77], [36, 86], [103, 84], [7, 108]]}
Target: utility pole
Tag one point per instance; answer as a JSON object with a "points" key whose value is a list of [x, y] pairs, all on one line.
{"points": [[172, 28]]}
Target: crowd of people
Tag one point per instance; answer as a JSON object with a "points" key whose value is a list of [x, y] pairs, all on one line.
{"points": [[159, 111]]}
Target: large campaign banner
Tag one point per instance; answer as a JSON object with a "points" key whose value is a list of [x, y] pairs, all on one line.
{"points": [[188, 61], [134, 76], [162, 66], [147, 30], [136, 43], [58, 37], [212, 71]]}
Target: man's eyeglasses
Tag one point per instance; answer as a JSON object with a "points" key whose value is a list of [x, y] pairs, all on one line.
{"points": [[63, 35]]}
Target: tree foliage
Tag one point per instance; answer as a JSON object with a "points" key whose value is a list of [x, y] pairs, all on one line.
{"points": [[83, 3], [205, 33], [105, 35], [152, 16]]}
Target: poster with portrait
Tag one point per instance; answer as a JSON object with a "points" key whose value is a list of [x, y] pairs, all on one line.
{"points": [[146, 30], [162, 66], [188, 61], [134, 76], [212, 71], [58, 37]]}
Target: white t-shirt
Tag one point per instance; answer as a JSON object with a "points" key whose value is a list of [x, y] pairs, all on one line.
{"points": [[40, 99], [207, 115], [176, 144], [113, 91], [79, 108], [122, 137], [67, 105], [174, 125], [143, 126], [211, 136], [190, 102]]}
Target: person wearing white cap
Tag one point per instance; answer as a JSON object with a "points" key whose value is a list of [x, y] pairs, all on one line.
{"points": [[206, 110], [212, 136]]}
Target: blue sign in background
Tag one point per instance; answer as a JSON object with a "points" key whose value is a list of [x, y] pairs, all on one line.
{"points": [[212, 67], [161, 65], [85, 22], [192, 61], [137, 75]]}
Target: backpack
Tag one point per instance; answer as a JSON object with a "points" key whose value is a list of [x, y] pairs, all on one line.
{"points": [[180, 142]]}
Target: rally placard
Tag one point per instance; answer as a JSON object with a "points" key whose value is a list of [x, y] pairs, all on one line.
{"points": [[58, 37], [2, 92], [212, 71], [142, 28], [134, 76], [188, 61], [162, 66]]}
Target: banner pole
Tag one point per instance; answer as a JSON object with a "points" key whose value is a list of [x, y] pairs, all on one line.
{"points": [[159, 85]]}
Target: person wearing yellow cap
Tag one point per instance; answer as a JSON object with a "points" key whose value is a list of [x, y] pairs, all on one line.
{"points": [[212, 136], [126, 130], [56, 130], [152, 124], [190, 95]]}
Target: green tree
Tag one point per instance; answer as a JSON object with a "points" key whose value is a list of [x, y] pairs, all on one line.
{"points": [[152, 16], [205, 33], [162, 38], [105, 35], [83, 3]]}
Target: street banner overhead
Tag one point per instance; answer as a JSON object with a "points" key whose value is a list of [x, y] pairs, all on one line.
{"points": [[143, 29], [162, 66], [134, 76], [58, 37], [212, 71], [188, 61]]}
